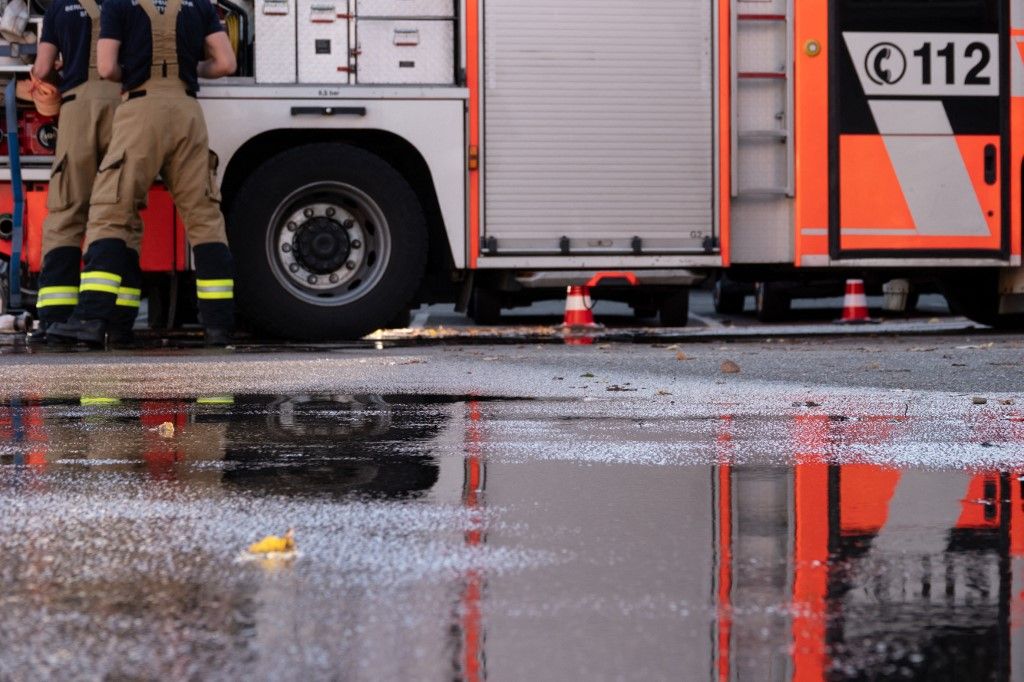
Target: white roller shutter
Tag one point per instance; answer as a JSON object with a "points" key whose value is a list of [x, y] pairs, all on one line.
{"points": [[598, 125]]}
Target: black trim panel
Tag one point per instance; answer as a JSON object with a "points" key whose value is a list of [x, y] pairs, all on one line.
{"points": [[850, 112]]}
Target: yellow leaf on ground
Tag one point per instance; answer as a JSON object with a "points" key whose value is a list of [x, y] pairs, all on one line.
{"points": [[274, 543]]}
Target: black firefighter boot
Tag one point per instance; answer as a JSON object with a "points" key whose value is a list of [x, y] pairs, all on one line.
{"points": [[58, 288], [215, 291], [129, 298], [97, 298]]}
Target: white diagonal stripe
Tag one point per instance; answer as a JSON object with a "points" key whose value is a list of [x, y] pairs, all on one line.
{"points": [[936, 185], [910, 117]]}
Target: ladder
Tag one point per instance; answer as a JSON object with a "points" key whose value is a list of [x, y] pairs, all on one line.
{"points": [[761, 67]]}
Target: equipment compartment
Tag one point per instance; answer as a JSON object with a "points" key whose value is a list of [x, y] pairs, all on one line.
{"points": [[323, 41], [406, 51], [405, 8], [275, 48]]}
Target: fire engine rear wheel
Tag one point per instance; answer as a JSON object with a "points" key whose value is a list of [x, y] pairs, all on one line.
{"points": [[330, 243], [975, 295], [728, 298], [485, 307], [773, 303], [674, 309]]}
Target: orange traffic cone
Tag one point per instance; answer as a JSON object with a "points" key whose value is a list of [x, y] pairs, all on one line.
{"points": [[855, 303], [578, 309]]}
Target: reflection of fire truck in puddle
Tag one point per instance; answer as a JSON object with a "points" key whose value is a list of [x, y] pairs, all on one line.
{"points": [[253, 439], [889, 573]]}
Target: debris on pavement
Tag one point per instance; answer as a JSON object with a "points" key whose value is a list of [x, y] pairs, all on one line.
{"points": [[274, 545], [730, 367], [166, 430], [978, 400]]}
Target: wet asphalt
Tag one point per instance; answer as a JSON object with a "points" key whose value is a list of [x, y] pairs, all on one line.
{"points": [[844, 508]]}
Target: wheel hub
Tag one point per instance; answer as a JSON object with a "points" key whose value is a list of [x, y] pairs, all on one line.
{"points": [[322, 245], [330, 244]]}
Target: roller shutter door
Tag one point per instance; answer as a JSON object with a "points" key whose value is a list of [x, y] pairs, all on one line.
{"points": [[598, 125]]}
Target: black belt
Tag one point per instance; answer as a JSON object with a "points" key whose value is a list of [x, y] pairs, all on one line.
{"points": [[68, 98], [136, 94]]}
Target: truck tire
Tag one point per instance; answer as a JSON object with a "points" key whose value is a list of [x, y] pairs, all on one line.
{"points": [[485, 307], [674, 309], [772, 301], [644, 311], [728, 298], [975, 295], [329, 241]]}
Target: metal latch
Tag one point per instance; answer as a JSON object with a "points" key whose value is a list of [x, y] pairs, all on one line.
{"points": [[275, 7], [322, 14], [407, 37]]}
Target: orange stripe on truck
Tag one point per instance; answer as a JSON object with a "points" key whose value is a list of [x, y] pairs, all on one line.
{"points": [[473, 81]]}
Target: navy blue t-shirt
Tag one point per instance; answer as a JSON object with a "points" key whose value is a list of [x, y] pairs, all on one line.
{"points": [[126, 21], [68, 26]]}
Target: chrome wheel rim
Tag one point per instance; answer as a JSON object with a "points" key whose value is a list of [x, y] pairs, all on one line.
{"points": [[328, 243]]}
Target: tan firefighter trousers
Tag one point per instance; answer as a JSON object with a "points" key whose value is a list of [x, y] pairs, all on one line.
{"points": [[159, 129], [83, 135]]}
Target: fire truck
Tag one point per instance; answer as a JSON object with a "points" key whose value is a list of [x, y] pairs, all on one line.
{"points": [[377, 154]]}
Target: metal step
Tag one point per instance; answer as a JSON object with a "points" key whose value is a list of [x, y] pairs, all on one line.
{"points": [[762, 192], [762, 75], [763, 135]]}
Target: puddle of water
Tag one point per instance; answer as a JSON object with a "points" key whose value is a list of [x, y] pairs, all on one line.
{"points": [[457, 537]]}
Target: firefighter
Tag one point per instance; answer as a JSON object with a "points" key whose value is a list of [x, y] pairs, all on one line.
{"points": [[71, 29], [158, 55]]}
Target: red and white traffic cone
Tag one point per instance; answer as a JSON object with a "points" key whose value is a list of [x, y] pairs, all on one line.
{"points": [[855, 304], [579, 324], [579, 313]]}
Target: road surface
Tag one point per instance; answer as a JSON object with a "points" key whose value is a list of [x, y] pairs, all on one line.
{"points": [[777, 508]]}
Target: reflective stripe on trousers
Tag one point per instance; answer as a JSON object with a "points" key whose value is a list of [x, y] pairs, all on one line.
{"points": [[105, 282], [54, 296], [215, 289], [128, 297]]}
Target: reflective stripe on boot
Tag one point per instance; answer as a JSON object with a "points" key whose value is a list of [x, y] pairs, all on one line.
{"points": [[49, 297], [215, 289], [104, 282], [128, 297]]}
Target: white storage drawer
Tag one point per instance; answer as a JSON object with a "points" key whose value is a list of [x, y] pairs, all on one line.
{"points": [[323, 41], [405, 8], [275, 41], [406, 51]]}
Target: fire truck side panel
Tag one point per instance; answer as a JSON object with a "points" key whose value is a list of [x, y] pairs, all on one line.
{"points": [[1016, 58], [163, 239], [35, 213], [163, 243], [812, 182], [723, 114], [918, 112], [435, 127]]}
